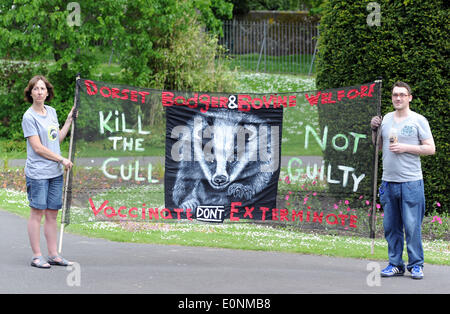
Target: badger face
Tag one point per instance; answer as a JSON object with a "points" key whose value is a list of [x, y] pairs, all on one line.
{"points": [[223, 147]]}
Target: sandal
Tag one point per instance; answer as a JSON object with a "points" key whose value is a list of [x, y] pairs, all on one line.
{"points": [[63, 262], [41, 262]]}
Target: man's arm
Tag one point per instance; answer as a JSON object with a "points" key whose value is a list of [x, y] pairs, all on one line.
{"points": [[375, 124], [426, 147]]}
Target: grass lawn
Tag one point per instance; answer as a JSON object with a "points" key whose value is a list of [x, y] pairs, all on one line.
{"points": [[295, 63]]}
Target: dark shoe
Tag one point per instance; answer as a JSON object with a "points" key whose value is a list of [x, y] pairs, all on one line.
{"points": [[39, 262], [391, 271]]}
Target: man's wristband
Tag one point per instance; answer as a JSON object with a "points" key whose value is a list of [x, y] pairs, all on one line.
{"points": [[60, 161]]}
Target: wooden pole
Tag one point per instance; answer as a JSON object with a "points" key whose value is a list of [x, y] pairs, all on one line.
{"points": [[375, 174], [66, 183]]}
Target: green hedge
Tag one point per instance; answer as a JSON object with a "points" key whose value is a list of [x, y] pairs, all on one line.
{"points": [[409, 45]]}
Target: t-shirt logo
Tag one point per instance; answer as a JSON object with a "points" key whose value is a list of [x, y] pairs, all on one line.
{"points": [[407, 130], [52, 133]]}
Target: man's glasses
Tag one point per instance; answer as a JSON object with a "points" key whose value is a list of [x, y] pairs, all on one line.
{"points": [[399, 95]]}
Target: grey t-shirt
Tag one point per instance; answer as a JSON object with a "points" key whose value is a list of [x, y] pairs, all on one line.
{"points": [[47, 128], [403, 167]]}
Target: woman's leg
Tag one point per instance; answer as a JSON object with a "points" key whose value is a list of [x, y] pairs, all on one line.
{"points": [[51, 235], [34, 231], [51, 231]]}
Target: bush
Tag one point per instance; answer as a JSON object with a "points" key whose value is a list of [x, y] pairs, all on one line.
{"points": [[168, 48], [193, 60], [407, 46]]}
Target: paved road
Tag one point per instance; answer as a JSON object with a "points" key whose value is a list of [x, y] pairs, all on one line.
{"points": [[112, 267]]}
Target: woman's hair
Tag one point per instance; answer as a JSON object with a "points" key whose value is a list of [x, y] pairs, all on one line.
{"points": [[30, 86]]}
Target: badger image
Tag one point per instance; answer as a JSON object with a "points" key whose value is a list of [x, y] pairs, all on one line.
{"points": [[223, 156]]}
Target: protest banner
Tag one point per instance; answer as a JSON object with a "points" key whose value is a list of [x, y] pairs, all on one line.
{"points": [[300, 158]]}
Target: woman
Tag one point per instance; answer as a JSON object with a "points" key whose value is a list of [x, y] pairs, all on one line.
{"points": [[44, 168]]}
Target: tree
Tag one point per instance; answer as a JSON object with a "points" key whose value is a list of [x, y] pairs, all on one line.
{"points": [[39, 31], [40, 37]]}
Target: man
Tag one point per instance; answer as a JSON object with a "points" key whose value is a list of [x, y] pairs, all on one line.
{"points": [[405, 135]]}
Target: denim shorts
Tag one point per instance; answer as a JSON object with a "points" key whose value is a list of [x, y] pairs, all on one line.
{"points": [[45, 193]]}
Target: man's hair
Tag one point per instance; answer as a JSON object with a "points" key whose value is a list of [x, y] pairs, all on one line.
{"points": [[30, 86], [402, 84]]}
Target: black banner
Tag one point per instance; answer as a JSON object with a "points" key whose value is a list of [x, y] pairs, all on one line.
{"points": [[223, 162]]}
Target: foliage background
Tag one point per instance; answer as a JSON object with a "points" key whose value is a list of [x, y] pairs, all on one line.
{"points": [[157, 43], [409, 45]]}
